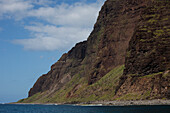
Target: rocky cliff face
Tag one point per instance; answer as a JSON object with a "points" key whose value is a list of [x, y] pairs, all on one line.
{"points": [[147, 62], [149, 48], [62, 71], [130, 32], [154, 86]]}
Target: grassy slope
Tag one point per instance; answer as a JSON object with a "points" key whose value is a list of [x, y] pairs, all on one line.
{"points": [[104, 89], [101, 90], [147, 94]]}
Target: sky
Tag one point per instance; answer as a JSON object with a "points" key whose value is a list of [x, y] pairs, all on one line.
{"points": [[33, 36]]}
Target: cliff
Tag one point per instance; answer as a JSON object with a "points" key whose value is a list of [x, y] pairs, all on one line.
{"points": [[126, 56]]}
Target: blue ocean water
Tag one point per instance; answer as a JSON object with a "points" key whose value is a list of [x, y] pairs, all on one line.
{"points": [[8, 108]]}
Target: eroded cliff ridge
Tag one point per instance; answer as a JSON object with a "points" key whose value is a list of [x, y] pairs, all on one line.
{"points": [[126, 57]]}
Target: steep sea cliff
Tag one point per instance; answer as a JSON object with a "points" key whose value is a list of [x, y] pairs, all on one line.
{"points": [[126, 57]]}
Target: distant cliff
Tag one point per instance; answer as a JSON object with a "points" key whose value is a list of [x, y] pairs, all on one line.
{"points": [[126, 57]]}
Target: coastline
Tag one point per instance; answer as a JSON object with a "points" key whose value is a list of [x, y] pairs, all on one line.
{"points": [[107, 103], [134, 102]]}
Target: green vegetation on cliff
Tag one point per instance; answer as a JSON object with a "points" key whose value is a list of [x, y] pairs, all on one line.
{"points": [[126, 57], [101, 90]]}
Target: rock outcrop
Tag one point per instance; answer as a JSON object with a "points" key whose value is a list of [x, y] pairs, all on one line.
{"points": [[131, 32], [149, 48], [147, 64]]}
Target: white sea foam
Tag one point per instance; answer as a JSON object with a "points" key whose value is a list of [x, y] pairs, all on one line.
{"points": [[92, 105]]}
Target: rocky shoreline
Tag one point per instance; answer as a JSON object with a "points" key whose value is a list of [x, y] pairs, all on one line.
{"points": [[138, 102], [110, 103]]}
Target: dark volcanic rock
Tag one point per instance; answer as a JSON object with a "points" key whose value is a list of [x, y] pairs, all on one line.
{"points": [[116, 23], [62, 71], [104, 49], [148, 55], [149, 48], [154, 86], [131, 32]]}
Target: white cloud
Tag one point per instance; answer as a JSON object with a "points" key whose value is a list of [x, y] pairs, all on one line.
{"points": [[78, 14], [64, 24], [50, 37], [15, 8], [42, 2]]}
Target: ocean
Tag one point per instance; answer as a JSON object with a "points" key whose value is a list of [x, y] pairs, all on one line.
{"points": [[10, 108]]}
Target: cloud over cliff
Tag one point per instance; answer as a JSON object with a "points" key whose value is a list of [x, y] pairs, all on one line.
{"points": [[52, 26]]}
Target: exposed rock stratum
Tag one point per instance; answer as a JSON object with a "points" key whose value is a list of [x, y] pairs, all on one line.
{"points": [[126, 57]]}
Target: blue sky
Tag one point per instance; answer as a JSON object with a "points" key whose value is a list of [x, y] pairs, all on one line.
{"points": [[33, 36]]}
